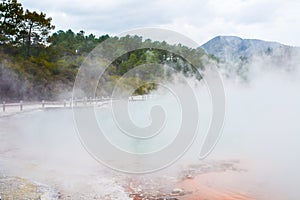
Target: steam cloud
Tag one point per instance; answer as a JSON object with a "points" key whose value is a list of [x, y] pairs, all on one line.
{"points": [[262, 130]]}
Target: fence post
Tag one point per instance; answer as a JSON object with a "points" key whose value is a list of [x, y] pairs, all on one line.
{"points": [[3, 106], [21, 105], [70, 102], [43, 103]]}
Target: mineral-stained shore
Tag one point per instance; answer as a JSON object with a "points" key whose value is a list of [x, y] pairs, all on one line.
{"points": [[192, 183], [20, 188]]}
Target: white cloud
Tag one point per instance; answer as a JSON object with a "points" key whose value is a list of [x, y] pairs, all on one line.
{"points": [[276, 20]]}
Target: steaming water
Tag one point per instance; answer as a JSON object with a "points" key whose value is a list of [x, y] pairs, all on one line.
{"points": [[137, 114], [43, 146], [262, 131]]}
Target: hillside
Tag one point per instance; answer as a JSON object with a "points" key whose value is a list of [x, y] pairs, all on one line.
{"points": [[238, 56]]}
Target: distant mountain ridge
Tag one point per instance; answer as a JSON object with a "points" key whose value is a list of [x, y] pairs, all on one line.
{"points": [[237, 56], [232, 47]]}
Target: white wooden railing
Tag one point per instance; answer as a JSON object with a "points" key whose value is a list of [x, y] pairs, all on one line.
{"points": [[76, 102]]}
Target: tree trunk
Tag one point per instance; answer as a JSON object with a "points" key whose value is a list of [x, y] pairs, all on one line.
{"points": [[29, 40]]}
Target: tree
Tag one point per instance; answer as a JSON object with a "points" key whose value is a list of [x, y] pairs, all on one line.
{"points": [[11, 18], [35, 30]]}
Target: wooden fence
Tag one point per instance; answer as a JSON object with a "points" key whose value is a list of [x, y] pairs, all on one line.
{"points": [[76, 102]]}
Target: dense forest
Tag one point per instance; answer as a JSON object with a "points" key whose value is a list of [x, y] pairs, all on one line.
{"points": [[37, 62]]}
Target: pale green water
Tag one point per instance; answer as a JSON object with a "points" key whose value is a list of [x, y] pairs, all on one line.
{"points": [[262, 134]]}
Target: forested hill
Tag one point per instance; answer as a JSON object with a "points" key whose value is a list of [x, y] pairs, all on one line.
{"points": [[37, 62]]}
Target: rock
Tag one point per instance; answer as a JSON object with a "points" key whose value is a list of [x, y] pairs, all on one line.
{"points": [[177, 191], [189, 176]]}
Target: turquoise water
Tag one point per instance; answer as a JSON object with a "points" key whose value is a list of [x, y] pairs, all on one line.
{"points": [[261, 131]]}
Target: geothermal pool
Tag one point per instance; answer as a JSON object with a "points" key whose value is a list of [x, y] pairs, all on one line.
{"points": [[257, 156]]}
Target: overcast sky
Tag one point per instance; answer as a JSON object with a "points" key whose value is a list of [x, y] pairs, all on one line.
{"points": [[272, 20]]}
